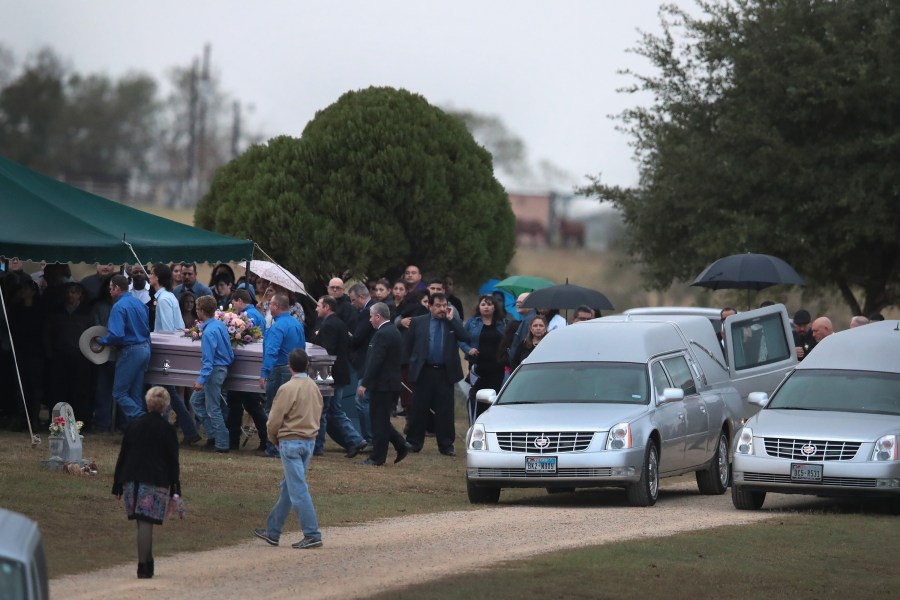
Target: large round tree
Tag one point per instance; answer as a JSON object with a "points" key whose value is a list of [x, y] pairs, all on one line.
{"points": [[773, 128], [378, 179]]}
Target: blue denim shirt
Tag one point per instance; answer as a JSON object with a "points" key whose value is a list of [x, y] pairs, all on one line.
{"points": [[256, 317], [285, 334], [129, 322], [215, 348], [473, 326]]}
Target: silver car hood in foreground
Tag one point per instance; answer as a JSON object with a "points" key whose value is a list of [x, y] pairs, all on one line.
{"points": [[558, 417], [822, 425]]}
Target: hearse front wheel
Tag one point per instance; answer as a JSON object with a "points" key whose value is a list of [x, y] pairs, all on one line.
{"points": [[747, 499], [646, 490], [482, 494], [714, 479]]}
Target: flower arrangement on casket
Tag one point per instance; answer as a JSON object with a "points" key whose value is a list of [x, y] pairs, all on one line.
{"points": [[58, 425], [240, 330]]}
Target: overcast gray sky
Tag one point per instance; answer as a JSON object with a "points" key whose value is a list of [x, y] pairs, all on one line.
{"points": [[547, 68]]}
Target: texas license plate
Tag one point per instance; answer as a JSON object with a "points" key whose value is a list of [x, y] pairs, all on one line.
{"points": [[540, 465], [806, 472]]}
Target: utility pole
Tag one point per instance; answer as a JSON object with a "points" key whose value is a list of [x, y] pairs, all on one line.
{"points": [[187, 193], [204, 89], [235, 129]]}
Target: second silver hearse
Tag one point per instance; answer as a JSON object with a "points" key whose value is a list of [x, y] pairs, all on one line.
{"points": [[832, 428], [625, 400]]}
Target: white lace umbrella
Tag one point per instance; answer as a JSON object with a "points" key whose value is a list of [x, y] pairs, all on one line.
{"points": [[277, 274]]}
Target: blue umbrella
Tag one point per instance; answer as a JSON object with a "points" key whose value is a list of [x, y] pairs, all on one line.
{"points": [[509, 301]]}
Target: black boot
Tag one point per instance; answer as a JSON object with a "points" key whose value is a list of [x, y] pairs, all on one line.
{"points": [[143, 571], [150, 568]]}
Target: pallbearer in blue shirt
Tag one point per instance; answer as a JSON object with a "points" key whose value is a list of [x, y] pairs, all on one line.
{"points": [[284, 335], [129, 330], [216, 356], [241, 303]]}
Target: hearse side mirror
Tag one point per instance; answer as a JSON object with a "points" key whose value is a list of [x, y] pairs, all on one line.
{"points": [[671, 395], [485, 396], [758, 398]]}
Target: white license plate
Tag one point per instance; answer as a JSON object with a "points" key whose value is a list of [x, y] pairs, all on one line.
{"points": [[806, 472], [540, 465]]}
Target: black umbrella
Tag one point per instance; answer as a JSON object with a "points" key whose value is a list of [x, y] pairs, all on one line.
{"points": [[747, 272], [567, 296]]}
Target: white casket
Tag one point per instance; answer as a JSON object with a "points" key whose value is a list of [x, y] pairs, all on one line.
{"points": [[175, 360]]}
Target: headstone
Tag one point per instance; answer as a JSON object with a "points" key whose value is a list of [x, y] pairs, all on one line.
{"points": [[65, 448]]}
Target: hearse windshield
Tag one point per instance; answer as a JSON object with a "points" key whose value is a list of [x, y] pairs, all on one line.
{"points": [[578, 382], [12, 579], [840, 390]]}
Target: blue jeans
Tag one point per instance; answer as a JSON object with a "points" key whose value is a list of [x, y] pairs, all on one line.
{"points": [[207, 405], [295, 457], [362, 410], [348, 402], [277, 378], [335, 423], [128, 384], [183, 418]]}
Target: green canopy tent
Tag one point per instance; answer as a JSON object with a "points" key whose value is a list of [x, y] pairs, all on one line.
{"points": [[45, 219]]}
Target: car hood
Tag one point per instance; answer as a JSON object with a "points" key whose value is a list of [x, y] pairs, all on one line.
{"points": [[822, 425], [558, 417]]}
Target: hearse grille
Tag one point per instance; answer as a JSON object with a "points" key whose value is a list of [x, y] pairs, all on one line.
{"points": [[576, 472], [545, 442], [811, 450], [853, 482]]}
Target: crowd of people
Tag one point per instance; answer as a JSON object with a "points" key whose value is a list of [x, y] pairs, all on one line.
{"points": [[48, 311]]}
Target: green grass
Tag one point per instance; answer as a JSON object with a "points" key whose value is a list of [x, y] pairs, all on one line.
{"points": [[809, 556], [842, 550], [225, 496]]}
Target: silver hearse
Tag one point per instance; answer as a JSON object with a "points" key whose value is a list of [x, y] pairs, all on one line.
{"points": [[23, 568], [624, 400], [832, 428]]}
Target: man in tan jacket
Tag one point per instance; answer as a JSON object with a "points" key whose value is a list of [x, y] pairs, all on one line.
{"points": [[292, 426]]}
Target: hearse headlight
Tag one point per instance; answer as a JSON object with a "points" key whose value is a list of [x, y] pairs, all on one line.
{"points": [[478, 438], [619, 437], [885, 448], [744, 443]]}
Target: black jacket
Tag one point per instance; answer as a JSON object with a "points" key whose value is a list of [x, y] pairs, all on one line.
{"points": [[334, 337], [359, 342], [382, 372], [346, 311], [149, 454]]}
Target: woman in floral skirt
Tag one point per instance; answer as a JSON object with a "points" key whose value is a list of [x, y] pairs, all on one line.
{"points": [[147, 473]]}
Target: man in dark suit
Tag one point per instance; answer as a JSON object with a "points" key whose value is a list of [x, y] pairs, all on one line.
{"points": [[334, 337], [381, 379], [360, 336], [434, 366]]}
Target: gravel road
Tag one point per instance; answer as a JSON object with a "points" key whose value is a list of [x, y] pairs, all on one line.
{"points": [[442, 543]]}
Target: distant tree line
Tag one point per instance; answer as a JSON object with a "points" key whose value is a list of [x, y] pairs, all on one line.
{"points": [[156, 143]]}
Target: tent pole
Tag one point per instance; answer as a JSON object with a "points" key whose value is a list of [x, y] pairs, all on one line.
{"points": [[137, 260], [35, 440]]}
